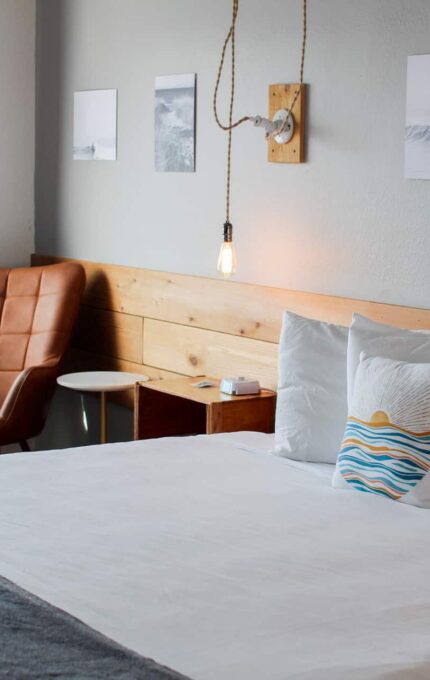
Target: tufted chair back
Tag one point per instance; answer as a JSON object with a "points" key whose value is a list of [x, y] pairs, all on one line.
{"points": [[38, 309]]}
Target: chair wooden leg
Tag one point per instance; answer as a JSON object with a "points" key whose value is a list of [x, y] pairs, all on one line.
{"points": [[24, 445]]}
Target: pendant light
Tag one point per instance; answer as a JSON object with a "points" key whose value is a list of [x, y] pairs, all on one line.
{"points": [[281, 129], [227, 253]]}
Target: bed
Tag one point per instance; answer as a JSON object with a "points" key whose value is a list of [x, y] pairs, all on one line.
{"points": [[220, 560]]}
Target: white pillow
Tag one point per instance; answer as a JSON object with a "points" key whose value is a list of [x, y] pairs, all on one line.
{"points": [[378, 339], [311, 407], [386, 446]]}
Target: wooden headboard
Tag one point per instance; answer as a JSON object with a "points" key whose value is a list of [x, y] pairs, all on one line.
{"points": [[161, 324]]}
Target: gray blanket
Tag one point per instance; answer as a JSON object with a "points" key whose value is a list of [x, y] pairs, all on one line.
{"points": [[39, 641]]}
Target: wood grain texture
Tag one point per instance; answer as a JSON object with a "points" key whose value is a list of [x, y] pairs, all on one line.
{"points": [[196, 351], [79, 360], [91, 361], [110, 333], [173, 407], [190, 300], [165, 415], [240, 309], [165, 325], [257, 416], [281, 97], [186, 388]]}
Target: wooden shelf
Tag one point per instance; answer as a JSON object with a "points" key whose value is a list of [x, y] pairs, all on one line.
{"points": [[166, 408]]}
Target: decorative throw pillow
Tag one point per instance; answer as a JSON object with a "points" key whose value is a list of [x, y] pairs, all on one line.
{"points": [[386, 445], [311, 406], [380, 340]]}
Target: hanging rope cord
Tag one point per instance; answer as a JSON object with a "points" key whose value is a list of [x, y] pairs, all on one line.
{"points": [[302, 59], [229, 128]]}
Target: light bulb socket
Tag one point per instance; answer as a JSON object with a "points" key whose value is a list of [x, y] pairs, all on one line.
{"points": [[228, 232]]}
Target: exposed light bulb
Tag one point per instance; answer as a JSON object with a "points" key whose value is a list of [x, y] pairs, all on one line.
{"points": [[227, 259], [227, 254]]}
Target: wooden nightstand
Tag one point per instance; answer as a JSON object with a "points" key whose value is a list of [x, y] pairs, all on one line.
{"points": [[166, 408]]}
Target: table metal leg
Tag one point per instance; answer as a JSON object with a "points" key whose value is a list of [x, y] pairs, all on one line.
{"points": [[103, 418]]}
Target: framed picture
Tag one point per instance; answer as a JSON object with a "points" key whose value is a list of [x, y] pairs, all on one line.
{"points": [[95, 125], [417, 134], [175, 123]]}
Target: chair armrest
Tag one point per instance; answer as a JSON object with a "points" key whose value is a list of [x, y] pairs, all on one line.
{"points": [[25, 408]]}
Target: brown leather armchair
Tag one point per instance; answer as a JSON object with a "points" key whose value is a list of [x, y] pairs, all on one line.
{"points": [[38, 309]]}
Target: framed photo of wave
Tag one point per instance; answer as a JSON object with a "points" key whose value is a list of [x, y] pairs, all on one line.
{"points": [[175, 107], [417, 133], [95, 125]]}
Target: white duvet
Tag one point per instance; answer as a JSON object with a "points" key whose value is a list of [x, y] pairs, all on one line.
{"points": [[222, 561]]}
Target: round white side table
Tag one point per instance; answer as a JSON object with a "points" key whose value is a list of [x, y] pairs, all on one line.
{"points": [[101, 381]]}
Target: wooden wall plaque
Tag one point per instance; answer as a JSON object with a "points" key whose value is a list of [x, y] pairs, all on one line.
{"points": [[281, 97]]}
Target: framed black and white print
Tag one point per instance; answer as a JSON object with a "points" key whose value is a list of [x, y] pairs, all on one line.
{"points": [[417, 133], [175, 123], [95, 125]]}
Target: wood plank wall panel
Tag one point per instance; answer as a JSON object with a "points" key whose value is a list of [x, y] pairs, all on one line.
{"points": [[228, 306], [88, 361], [197, 351], [79, 360], [161, 324], [189, 300], [110, 333]]}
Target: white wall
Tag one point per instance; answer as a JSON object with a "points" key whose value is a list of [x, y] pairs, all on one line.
{"points": [[346, 222], [17, 93]]}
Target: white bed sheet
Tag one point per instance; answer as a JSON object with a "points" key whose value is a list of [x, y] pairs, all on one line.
{"points": [[220, 560]]}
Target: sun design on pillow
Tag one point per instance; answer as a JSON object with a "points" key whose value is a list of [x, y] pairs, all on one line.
{"points": [[380, 418], [386, 446]]}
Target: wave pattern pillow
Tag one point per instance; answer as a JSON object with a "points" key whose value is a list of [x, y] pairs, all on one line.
{"points": [[386, 445]]}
